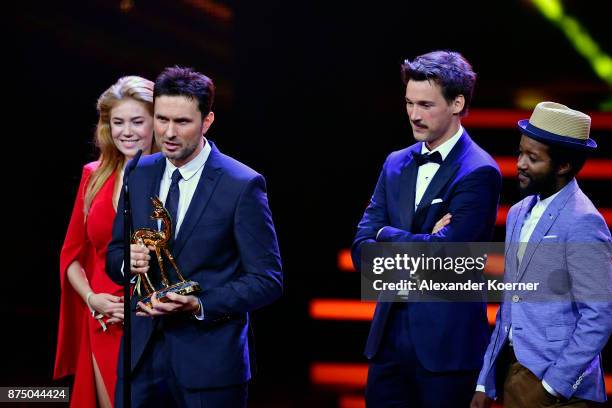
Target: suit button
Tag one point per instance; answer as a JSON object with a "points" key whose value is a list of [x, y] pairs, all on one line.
{"points": [[515, 298]]}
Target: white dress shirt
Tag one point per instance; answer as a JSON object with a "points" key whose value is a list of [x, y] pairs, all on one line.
{"points": [[427, 171], [191, 173], [531, 220]]}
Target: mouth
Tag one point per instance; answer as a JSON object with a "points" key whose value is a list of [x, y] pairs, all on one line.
{"points": [[129, 142], [170, 146], [523, 178]]}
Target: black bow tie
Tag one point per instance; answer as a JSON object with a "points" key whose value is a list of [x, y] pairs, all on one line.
{"points": [[421, 159]]}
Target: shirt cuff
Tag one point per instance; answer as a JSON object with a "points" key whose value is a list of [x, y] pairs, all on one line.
{"points": [[550, 389], [378, 233], [200, 316], [480, 388]]}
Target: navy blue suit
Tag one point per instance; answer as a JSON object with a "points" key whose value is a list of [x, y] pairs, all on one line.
{"points": [[226, 243], [443, 337]]}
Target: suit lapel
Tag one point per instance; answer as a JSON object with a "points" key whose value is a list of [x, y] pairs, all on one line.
{"points": [[546, 221], [445, 173], [211, 173], [155, 184], [526, 206], [408, 178], [141, 191], [513, 243]]}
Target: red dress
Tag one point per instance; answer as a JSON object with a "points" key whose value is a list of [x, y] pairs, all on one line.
{"points": [[79, 334]]}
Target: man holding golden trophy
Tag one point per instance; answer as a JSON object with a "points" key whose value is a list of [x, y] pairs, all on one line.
{"points": [[206, 217]]}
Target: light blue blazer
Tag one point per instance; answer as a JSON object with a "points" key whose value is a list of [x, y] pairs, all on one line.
{"points": [[559, 330]]}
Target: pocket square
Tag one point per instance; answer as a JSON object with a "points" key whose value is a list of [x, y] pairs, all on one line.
{"points": [[436, 201], [550, 236]]}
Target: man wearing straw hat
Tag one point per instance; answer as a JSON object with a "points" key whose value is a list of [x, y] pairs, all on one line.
{"points": [[552, 338]]}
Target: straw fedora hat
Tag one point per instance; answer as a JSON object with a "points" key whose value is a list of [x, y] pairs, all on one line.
{"points": [[553, 123]]}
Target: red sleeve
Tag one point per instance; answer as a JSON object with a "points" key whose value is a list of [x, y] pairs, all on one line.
{"points": [[73, 311]]}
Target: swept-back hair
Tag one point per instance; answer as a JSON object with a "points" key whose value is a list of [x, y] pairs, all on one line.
{"points": [[449, 69]]}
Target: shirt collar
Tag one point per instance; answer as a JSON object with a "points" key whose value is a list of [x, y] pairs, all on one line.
{"points": [[445, 147], [189, 169]]}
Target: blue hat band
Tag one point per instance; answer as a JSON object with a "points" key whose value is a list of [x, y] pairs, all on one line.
{"points": [[553, 136]]}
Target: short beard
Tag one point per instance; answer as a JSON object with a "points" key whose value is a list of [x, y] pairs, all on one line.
{"points": [[185, 153], [545, 186]]}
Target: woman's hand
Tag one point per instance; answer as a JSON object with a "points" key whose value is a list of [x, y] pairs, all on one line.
{"points": [[108, 305]]}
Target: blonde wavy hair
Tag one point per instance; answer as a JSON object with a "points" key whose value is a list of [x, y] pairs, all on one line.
{"points": [[111, 159]]}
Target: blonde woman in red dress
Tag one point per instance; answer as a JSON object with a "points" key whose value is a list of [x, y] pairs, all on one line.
{"points": [[91, 311]]}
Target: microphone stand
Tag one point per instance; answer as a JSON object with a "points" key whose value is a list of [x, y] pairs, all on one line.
{"points": [[127, 275]]}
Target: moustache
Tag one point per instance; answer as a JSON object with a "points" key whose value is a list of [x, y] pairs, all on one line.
{"points": [[520, 173]]}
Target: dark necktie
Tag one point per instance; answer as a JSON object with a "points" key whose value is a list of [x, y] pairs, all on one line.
{"points": [[421, 159], [172, 200]]}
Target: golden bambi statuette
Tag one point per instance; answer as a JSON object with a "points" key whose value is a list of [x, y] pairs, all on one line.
{"points": [[159, 240]]}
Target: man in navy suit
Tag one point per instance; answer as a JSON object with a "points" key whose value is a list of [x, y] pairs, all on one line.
{"points": [[197, 351], [428, 354]]}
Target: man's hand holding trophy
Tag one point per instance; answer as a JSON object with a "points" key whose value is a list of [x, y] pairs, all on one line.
{"points": [[171, 297]]}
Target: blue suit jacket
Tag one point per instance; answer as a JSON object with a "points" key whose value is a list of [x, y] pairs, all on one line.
{"points": [[447, 336], [559, 330], [228, 245]]}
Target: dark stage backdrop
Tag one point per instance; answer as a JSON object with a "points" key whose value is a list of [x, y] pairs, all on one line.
{"points": [[309, 94]]}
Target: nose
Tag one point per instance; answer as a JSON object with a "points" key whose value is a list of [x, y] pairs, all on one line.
{"points": [[127, 130], [414, 113], [521, 163], [170, 132]]}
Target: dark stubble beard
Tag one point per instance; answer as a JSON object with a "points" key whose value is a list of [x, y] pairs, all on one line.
{"points": [[544, 186], [185, 153]]}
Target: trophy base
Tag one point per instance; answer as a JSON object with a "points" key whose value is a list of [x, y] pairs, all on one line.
{"points": [[181, 288]]}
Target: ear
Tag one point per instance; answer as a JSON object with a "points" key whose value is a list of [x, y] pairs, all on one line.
{"points": [[208, 120], [457, 104], [563, 169]]}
